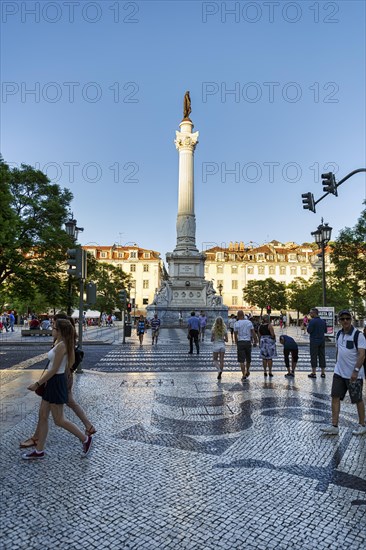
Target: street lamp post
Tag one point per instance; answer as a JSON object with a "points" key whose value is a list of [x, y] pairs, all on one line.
{"points": [[219, 288], [322, 237]]}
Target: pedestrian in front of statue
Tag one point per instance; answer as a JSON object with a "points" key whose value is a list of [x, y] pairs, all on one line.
{"points": [[267, 344], [231, 323], [219, 337], [203, 324], [290, 347], [61, 358], [193, 332], [155, 327], [349, 373], [317, 328], [244, 336], [284, 320], [141, 328]]}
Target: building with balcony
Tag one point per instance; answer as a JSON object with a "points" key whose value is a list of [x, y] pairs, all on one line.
{"points": [[232, 267], [143, 265]]}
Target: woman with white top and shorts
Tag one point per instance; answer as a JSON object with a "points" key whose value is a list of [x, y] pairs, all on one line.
{"points": [[219, 337], [61, 358]]}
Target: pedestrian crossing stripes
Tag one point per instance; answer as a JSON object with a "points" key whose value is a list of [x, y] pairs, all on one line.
{"points": [[163, 359]]}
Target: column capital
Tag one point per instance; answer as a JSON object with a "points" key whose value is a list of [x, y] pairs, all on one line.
{"points": [[185, 140]]}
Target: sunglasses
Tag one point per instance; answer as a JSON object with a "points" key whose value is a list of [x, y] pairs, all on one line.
{"points": [[345, 318]]}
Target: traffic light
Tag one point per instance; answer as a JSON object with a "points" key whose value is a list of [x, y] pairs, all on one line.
{"points": [[269, 310], [122, 295], [129, 307], [91, 293], [308, 202], [74, 260], [329, 183]]}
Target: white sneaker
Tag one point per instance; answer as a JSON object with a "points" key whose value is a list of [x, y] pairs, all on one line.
{"points": [[330, 430], [360, 431]]}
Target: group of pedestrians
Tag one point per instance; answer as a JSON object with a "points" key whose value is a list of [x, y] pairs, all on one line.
{"points": [[7, 321], [56, 382], [349, 370]]}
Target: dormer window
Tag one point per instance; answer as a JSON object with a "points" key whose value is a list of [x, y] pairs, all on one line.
{"points": [[133, 254]]}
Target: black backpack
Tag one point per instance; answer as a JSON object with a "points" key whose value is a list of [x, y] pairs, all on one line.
{"points": [[79, 356], [356, 334]]}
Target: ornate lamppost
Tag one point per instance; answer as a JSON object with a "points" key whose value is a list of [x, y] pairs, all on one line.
{"points": [[219, 288], [322, 237]]}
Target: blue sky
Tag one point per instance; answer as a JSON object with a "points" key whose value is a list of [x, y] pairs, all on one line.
{"points": [[109, 79]]}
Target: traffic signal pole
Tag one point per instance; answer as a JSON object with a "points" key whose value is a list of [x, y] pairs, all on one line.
{"points": [[123, 327], [81, 317], [308, 198]]}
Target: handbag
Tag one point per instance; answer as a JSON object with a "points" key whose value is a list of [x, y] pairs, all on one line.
{"points": [[42, 387]]}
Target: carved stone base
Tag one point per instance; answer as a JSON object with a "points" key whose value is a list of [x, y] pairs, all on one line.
{"points": [[178, 316]]}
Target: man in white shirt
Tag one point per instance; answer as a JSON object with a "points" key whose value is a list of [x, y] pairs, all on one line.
{"points": [[349, 373], [244, 334]]}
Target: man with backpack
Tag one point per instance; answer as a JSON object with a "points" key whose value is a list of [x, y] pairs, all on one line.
{"points": [[349, 372]]}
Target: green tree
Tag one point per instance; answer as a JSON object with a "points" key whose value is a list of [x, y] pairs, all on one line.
{"points": [[109, 280], [349, 259], [32, 241], [297, 296], [266, 292]]}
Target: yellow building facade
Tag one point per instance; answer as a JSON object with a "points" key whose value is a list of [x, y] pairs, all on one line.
{"points": [[231, 268], [143, 265]]}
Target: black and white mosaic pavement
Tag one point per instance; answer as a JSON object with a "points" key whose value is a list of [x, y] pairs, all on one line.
{"points": [[182, 461]]}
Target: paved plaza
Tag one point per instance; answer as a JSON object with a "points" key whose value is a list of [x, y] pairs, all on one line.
{"points": [[181, 460]]}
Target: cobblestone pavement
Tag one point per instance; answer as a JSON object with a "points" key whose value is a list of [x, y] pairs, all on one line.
{"points": [[182, 461]]}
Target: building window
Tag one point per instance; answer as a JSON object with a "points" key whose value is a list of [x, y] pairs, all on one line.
{"points": [[234, 269], [146, 268], [260, 257], [261, 270], [234, 300], [220, 256], [234, 285], [272, 270], [282, 271], [250, 270], [292, 257], [133, 268], [120, 254], [133, 254], [146, 254], [232, 257], [145, 283], [133, 283], [219, 269], [103, 254], [293, 270], [304, 271], [145, 301]]}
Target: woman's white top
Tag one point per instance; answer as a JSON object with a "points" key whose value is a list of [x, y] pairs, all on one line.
{"points": [[51, 356]]}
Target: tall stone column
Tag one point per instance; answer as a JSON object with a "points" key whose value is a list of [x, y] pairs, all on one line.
{"points": [[185, 143]]}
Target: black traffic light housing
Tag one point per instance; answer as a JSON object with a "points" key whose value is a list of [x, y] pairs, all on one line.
{"points": [[129, 307], [91, 293], [122, 295], [269, 310], [329, 183], [308, 202], [77, 258]]}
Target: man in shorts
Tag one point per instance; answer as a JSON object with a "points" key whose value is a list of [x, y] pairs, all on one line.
{"points": [[244, 335], [349, 373]]}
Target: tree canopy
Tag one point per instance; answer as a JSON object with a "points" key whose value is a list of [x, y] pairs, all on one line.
{"points": [[32, 240], [266, 292]]}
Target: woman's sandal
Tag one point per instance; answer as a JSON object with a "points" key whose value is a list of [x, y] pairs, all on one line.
{"points": [[31, 442], [91, 430]]}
